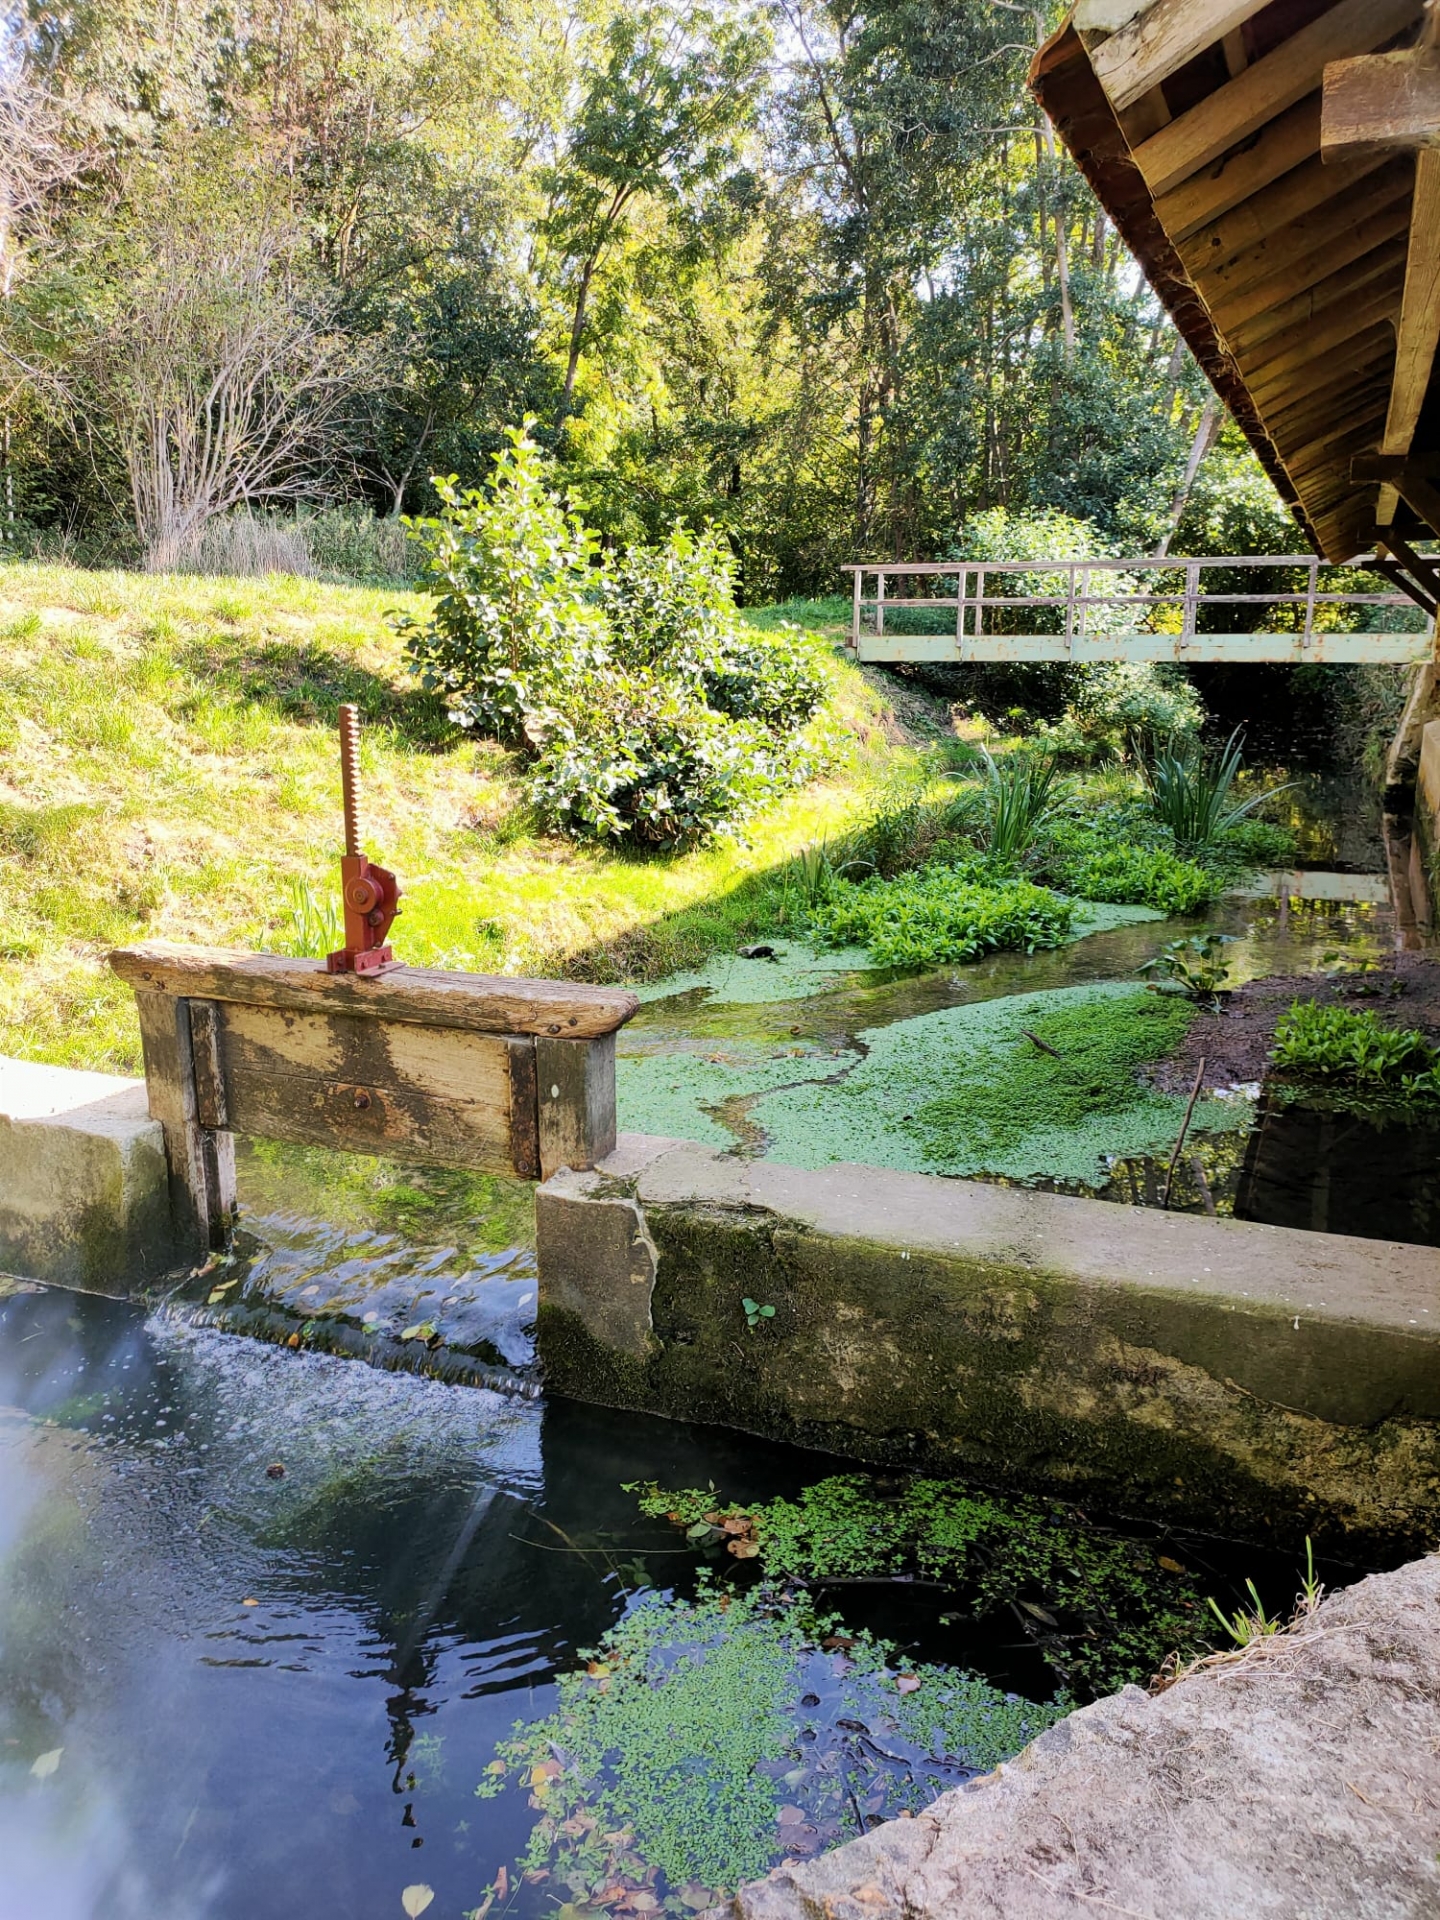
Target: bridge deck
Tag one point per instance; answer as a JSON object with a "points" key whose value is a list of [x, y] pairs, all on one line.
{"points": [[1146, 609]]}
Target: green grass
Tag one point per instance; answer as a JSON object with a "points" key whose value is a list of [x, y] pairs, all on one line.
{"points": [[168, 769]]}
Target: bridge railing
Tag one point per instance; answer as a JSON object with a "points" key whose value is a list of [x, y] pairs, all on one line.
{"points": [[1143, 609]]}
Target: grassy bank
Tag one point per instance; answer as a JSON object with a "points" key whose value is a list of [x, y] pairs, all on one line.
{"points": [[168, 770]]}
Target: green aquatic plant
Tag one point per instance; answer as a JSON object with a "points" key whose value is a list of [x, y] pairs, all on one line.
{"points": [[1140, 876], [1104, 1608], [1193, 967], [1191, 792], [1022, 792], [1073, 1066], [942, 914], [704, 1739], [1355, 1054]]}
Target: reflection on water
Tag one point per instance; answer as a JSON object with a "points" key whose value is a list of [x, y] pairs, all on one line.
{"points": [[1341, 1173]]}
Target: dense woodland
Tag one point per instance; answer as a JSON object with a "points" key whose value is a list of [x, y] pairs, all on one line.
{"points": [[809, 272]]}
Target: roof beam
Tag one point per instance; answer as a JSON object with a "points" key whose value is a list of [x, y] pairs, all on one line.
{"points": [[1290, 320], [1382, 103], [1296, 67], [1418, 332], [1294, 349], [1159, 41], [1220, 187], [1230, 309], [1257, 222]]}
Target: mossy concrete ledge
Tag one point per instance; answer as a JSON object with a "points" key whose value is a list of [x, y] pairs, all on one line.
{"points": [[1255, 1380], [84, 1190]]}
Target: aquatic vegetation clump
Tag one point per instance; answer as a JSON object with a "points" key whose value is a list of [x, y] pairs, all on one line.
{"points": [[1074, 1067], [1105, 1609], [1355, 1061], [942, 914], [1141, 876], [706, 1739]]}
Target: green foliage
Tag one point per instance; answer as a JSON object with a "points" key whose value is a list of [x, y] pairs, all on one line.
{"points": [[313, 925], [1021, 795], [941, 914], [1141, 877], [1104, 1610], [1190, 793], [653, 714], [667, 1763], [1193, 966], [1356, 1056], [755, 1314], [1102, 1045]]}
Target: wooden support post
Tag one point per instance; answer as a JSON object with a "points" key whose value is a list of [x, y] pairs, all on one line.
{"points": [[879, 600], [855, 614], [577, 1101], [181, 1077]]}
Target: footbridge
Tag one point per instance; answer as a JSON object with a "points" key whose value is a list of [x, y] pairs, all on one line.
{"points": [[1276, 607]]}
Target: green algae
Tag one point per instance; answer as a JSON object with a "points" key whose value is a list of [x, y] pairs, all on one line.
{"points": [[1104, 1608], [705, 1739], [965, 1091], [795, 972]]}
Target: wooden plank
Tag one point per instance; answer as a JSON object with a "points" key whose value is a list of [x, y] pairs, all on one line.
{"points": [[201, 1162], [524, 1109], [1328, 256], [1244, 170], [1381, 103], [1418, 332], [1297, 346], [1305, 237], [1292, 318], [1256, 222], [369, 1086], [422, 996], [577, 1101], [1288, 385], [1296, 67], [1160, 41]]}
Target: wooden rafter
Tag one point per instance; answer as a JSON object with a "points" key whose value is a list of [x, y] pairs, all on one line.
{"points": [[1418, 333], [1290, 322], [1305, 191], [1216, 189], [1159, 41], [1349, 243], [1295, 68], [1307, 236], [1294, 350]]}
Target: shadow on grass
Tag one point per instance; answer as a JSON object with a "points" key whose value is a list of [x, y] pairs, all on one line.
{"points": [[309, 683]]}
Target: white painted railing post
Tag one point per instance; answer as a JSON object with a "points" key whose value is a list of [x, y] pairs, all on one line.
{"points": [[855, 614], [962, 576], [1311, 588], [1192, 596], [879, 600]]}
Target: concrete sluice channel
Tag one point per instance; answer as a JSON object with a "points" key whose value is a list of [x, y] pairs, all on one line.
{"points": [[282, 1634]]}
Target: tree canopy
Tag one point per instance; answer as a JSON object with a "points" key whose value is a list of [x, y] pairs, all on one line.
{"points": [[808, 272]]}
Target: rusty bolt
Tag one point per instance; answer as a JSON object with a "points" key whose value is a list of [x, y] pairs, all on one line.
{"points": [[552, 1029], [362, 1099]]}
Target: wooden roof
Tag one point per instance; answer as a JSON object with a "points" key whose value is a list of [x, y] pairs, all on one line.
{"points": [[1280, 185]]}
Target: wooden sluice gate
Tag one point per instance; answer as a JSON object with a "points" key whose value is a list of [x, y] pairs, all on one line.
{"points": [[361, 1054], [1143, 609]]}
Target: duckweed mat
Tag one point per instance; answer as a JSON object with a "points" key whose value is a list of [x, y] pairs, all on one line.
{"points": [[965, 1090]]}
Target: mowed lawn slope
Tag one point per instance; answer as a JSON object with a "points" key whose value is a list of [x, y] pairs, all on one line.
{"points": [[168, 769]]}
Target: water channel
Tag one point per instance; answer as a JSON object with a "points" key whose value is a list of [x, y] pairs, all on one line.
{"points": [[268, 1615]]}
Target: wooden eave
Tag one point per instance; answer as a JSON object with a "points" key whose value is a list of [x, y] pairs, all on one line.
{"points": [[1284, 271]]}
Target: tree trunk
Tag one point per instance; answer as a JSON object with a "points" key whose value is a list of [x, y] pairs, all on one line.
{"points": [[1205, 432]]}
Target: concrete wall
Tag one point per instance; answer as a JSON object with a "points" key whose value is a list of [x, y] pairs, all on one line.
{"points": [[84, 1192], [1241, 1378]]}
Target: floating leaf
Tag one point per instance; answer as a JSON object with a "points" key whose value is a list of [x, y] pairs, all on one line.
{"points": [[745, 1549], [47, 1763], [422, 1330], [907, 1683], [1170, 1566], [416, 1899], [1039, 1613], [791, 1816]]}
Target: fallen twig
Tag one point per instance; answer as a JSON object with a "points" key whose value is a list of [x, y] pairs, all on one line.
{"points": [[1044, 1045], [1184, 1129]]}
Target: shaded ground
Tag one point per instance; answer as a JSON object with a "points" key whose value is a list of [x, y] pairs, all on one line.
{"points": [[1402, 988], [1300, 1779]]}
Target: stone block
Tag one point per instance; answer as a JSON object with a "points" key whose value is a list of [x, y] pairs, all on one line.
{"points": [[84, 1190]]}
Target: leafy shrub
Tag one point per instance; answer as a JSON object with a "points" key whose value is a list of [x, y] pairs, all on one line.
{"points": [[1357, 1052], [942, 914], [1140, 877], [1252, 843], [651, 713]]}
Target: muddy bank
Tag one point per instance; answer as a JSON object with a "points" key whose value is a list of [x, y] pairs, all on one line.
{"points": [[1403, 989]]}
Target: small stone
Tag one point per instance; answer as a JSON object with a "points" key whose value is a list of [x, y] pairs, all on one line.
{"points": [[275, 1470]]}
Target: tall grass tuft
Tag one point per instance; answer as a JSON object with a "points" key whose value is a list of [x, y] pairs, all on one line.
{"points": [[1022, 792], [1191, 792]]}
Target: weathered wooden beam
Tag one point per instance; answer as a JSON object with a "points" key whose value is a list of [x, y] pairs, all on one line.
{"points": [[1381, 103], [1235, 111], [1285, 387], [1214, 190], [175, 1034], [1296, 348], [1349, 243], [1290, 320], [1418, 333], [1159, 41], [577, 1102], [423, 996], [1302, 241], [1304, 193]]}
